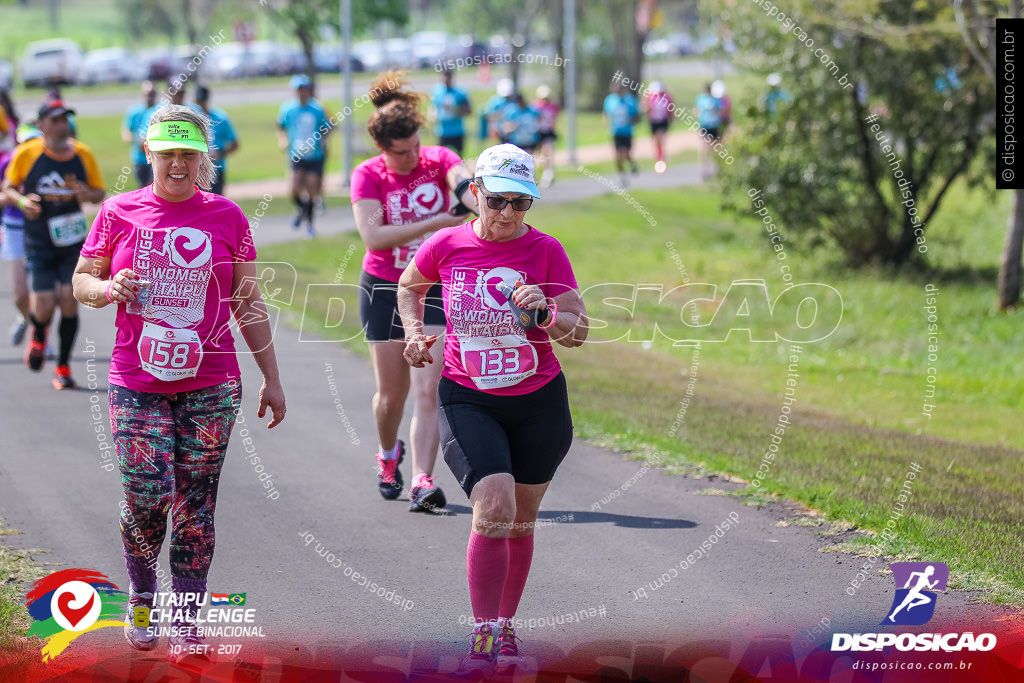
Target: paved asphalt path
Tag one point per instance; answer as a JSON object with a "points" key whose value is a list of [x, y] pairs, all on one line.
{"points": [[759, 580]]}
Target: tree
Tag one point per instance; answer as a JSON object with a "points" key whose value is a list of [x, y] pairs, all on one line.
{"points": [[305, 17], [143, 16], [887, 109], [977, 24]]}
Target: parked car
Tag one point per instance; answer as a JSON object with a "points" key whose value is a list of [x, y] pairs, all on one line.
{"points": [[432, 47], [248, 60], [111, 65], [51, 61], [231, 60], [158, 63], [393, 53], [327, 57], [6, 75], [672, 45]]}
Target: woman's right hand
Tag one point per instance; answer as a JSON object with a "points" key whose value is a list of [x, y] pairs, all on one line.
{"points": [[122, 286]]}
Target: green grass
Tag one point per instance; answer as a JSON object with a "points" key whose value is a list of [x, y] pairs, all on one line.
{"points": [[857, 423], [16, 571]]}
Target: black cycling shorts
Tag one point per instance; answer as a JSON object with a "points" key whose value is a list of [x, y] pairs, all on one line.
{"points": [[526, 436], [315, 166], [48, 265], [378, 308]]}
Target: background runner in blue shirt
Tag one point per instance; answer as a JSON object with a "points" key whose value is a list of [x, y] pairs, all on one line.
{"points": [[303, 127], [223, 140], [448, 106]]}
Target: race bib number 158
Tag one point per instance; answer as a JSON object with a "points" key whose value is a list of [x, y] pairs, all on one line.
{"points": [[170, 354]]}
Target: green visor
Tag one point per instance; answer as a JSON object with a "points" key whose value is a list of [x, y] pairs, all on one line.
{"points": [[175, 135]]}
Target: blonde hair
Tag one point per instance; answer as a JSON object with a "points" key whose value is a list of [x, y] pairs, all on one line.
{"points": [[179, 112]]}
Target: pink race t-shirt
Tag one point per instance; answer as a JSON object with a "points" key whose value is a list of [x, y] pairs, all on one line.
{"points": [[548, 114], [484, 348], [405, 199], [659, 106], [181, 340]]}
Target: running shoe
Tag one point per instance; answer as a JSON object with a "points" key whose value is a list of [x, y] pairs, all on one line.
{"points": [[660, 166], [35, 355], [310, 233], [481, 660], [17, 330], [389, 478], [425, 496], [297, 221], [508, 650], [141, 634], [62, 378], [185, 645]]}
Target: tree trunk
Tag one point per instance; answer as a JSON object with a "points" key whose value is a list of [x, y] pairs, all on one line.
{"points": [[558, 21], [1010, 263], [305, 37]]}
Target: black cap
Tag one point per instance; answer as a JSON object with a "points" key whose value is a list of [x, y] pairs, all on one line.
{"points": [[52, 108]]}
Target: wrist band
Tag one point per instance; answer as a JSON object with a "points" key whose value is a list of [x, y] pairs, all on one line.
{"points": [[552, 310], [21, 203], [109, 282], [461, 187]]}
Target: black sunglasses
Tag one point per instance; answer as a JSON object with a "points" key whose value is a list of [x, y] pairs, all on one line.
{"points": [[498, 203]]}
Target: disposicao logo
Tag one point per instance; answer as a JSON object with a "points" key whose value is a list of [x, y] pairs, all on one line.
{"points": [[70, 603], [917, 584], [914, 603]]}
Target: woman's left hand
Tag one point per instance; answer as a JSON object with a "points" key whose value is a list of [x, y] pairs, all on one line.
{"points": [[529, 297], [272, 396]]}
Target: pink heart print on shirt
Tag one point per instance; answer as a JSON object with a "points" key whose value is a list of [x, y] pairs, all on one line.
{"points": [[73, 615], [181, 245], [492, 289], [427, 199]]}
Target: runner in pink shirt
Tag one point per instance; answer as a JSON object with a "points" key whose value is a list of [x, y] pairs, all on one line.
{"points": [[182, 265], [399, 198], [503, 402], [549, 110], [658, 106]]}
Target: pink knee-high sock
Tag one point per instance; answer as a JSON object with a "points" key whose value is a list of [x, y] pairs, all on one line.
{"points": [[520, 555], [487, 567]]}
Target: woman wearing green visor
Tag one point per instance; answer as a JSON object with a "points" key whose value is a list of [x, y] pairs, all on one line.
{"points": [[178, 262]]}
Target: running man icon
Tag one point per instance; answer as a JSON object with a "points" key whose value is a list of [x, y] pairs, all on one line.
{"points": [[920, 581]]}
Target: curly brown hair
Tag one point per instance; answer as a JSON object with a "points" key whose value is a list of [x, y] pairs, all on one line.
{"points": [[397, 116]]}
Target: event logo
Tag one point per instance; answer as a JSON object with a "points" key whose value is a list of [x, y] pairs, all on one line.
{"points": [[489, 282], [189, 248], [70, 603], [914, 603], [426, 199]]}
